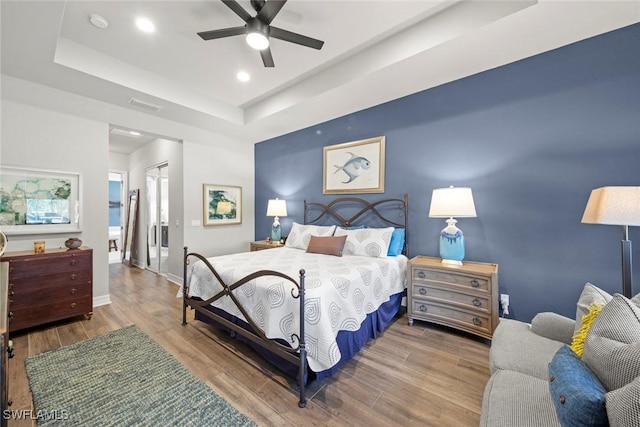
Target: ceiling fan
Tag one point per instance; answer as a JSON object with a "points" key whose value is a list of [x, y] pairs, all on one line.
{"points": [[258, 29]]}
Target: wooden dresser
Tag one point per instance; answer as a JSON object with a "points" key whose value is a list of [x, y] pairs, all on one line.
{"points": [[464, 296], [47, 287]]}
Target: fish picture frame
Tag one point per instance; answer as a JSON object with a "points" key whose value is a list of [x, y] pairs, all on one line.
{"points": [[354, 167]]}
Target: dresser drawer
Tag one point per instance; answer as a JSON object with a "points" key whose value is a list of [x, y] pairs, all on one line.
{"points": [[478, 283], [38, 314], [477, 323], [480, 303], [23, 296], [38, 265]]}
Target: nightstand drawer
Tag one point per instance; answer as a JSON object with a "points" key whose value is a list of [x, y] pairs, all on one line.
{"points": [[474, 302], [446, 315], [456, 279]]}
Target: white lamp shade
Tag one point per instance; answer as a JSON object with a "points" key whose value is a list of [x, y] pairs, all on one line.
{"points": [[452, 202], [277, 207], [613, 206]]}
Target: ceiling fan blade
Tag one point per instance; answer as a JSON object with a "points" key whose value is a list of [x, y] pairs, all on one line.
{"points": [[239, 10], [267, 59], [270, 10], [225, 32], [285, 35]]}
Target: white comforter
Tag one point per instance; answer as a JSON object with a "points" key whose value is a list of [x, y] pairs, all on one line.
{"points": [[340, 292]]}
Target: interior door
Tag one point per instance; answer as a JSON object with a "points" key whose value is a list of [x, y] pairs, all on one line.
{"points": [[158, 218]]}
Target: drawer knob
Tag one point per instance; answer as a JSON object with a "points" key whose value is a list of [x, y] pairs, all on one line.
{"points": [[10, 316], [475, 283], [422, 291], [421, 274], [73, 262], [73, 305], [422, 308], [476, 321], [74, 276], [11, 293], [11, 270], [477, 302], [73, 291]]}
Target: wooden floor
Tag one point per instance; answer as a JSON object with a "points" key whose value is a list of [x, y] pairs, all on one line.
{"points": [[420, 375]]}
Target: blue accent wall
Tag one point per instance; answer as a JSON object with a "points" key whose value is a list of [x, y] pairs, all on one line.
{"points": [[532, 139]]}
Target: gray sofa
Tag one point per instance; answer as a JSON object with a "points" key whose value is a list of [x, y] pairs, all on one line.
{"points": [[518, 391]]}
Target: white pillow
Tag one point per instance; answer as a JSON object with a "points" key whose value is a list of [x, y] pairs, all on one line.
{"points": [[300, 235], [591, 294], [371, 242]]}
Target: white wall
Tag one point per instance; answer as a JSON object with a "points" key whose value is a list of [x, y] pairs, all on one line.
{"points": [[221, 164], [43, 139], [44, 126]]}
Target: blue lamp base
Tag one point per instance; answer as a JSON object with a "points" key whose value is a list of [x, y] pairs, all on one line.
{"points": [[451, 244], [276, 231]]}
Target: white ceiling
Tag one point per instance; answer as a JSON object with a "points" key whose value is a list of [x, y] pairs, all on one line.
{"points": [[374, 51]]}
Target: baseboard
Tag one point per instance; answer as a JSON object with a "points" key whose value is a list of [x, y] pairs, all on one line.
{"points": [[101, 300], [177, 280]]}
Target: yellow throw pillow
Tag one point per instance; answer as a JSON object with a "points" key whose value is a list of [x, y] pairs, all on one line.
{"points": [[577, 344]]}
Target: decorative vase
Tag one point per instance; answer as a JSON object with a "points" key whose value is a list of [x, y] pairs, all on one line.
{"points": [[73, 243], [451, 243]]}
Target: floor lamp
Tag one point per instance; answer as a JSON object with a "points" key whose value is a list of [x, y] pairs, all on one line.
{"points": [[617, 206]]}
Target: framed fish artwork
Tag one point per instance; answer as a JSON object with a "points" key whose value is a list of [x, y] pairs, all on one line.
{"points": [[354, 167]]}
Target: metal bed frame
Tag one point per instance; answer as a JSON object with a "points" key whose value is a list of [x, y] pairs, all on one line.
{"points": [[296, 353]]}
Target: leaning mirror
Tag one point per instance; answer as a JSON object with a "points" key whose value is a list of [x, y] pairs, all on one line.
{"points": [[130, 232]]}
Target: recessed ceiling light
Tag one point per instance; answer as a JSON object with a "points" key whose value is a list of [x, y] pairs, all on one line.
{"points": [[98, 21], [243, 76], [145, 25]]}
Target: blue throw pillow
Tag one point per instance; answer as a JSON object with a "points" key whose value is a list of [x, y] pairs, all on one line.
{"points": [[577, 394], [397, 242]]}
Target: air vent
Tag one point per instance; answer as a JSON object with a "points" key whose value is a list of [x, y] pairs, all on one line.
{"points": [[144, 104], [125, 132]]}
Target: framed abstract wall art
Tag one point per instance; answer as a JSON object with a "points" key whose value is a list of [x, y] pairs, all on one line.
{"points": [[34, 201], [222, 204], [354, 167]]}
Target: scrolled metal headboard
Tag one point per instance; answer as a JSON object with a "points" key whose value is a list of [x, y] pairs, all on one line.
{"points": [[353, 211]]}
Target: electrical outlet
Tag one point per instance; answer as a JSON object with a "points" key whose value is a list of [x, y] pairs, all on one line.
{"points": [[504, 303], [504, 300]]}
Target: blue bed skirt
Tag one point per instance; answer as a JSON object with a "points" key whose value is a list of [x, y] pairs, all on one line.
{"points": [[349, 342]]}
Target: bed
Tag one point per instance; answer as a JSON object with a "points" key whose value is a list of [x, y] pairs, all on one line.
{"points": [[345, 300]]}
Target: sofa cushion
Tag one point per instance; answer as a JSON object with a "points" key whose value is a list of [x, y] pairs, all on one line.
{"points": [[514, 346], [623, 405], [591, 294], [577, 395], [612, 347], [515, 399], [553, 326], [577, 344]]}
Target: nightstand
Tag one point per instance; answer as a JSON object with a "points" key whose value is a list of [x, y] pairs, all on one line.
{"points": [[464, 297], [263, 244]]}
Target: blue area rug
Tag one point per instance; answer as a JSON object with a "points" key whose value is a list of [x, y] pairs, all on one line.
{"points": [[122, 378]]}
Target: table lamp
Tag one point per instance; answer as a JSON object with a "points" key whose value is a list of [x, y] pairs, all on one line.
{"points": [[448, 203], [616, 206], [276, 208]]}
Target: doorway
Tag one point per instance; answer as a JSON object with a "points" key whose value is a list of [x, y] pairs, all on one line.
{"points": [[116, 191], [158, 218]]}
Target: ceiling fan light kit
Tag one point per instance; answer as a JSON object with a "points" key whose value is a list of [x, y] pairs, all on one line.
{"points": [[257, 34], [257, 30]]}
